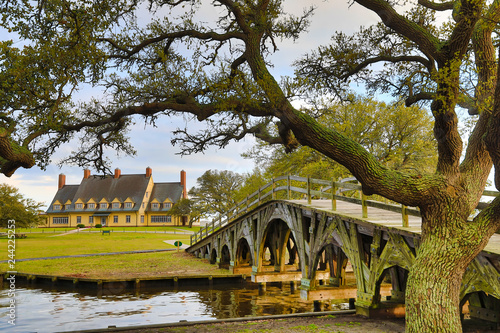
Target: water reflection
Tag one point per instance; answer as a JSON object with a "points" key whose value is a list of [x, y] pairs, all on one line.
{"points": [[45, 310]]}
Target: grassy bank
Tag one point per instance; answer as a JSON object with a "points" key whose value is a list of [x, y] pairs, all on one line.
{"points": [[39, 245], [49, 245], [115, 229], [122, 266]]}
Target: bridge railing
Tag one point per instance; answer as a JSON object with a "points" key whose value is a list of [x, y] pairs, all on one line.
{"points": [[294, 187]]}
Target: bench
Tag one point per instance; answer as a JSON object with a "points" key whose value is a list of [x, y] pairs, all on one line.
{"points": [[106, 232]]}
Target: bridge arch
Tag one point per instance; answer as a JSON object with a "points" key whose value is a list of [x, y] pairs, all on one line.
{"points": [[244, 253]]}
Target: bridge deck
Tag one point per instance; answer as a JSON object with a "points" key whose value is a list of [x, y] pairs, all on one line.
{"points": [[383, 218]]}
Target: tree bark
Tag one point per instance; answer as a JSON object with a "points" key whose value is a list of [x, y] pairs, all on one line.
{"points": [[449, 243]]}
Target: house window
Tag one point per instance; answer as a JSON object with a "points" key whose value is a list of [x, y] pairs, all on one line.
{"points": [[78, 220], [60, 220], [155, 205], [128, 205], [91, 220], [116, 205], [167, 205], [115, 218], [142, 218], [103, 205], [127, 218], [143, 205], [57, 207], [161, 218], [67, 206], [91, 206], [79, 206]]}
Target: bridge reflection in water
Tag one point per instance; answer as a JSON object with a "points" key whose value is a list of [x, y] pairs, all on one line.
{"points": [[311, 242], [47, 310]]}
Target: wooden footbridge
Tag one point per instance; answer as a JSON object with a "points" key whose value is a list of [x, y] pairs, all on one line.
{"points": [[326, 235]]}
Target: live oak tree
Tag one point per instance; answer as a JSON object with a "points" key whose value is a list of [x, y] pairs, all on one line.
{"points": [[215, 190], [14, 206], [399, 137], [217, 71]]}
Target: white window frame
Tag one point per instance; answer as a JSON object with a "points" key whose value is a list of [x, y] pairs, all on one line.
{"points": [[103, 205], [127, 219], [116, 205], [57, 207], [60, 220], [128, 205], [91, 206], [161, 218], [79, 206]]}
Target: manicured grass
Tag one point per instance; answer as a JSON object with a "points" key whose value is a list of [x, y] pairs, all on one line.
{"points": [[122, 266], [117, 229], [49, 245]]}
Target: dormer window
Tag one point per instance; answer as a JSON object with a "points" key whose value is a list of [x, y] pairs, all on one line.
{"points": [[155, 205], [57, 207], [91, 206], [79, 206], [128, 205], [103, 205], [67, 206], [167, 205], [116, 205]]}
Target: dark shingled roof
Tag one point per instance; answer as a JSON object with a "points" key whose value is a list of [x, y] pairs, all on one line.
{"points": [[162, 191], [107, 187], [63, 194]]}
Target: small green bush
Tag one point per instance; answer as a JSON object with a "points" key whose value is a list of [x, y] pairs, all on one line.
{"points": [[98, 225], [80, 225]]}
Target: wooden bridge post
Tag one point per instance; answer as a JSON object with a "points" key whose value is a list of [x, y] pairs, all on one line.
{"points": [[289, 187], [334, 191], [308, 190], [363, 205], [405, 216]]}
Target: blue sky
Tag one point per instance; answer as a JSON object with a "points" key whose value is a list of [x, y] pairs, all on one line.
{"points": [[153, 144]]}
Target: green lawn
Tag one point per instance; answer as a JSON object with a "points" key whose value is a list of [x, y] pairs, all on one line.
{"points": [[122, 266], [117, 229], [38, 245]]}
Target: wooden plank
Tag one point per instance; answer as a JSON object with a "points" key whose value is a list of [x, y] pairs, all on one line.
{"points": [[342, 292]]}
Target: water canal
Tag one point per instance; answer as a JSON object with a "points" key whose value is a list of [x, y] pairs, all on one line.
{"points": [[46, 310]]}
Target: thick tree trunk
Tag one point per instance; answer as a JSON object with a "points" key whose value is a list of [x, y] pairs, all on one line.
{"points": [[448, 245], [433, 289]]}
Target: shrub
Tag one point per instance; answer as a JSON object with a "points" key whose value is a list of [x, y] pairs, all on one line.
{"points": [[80, 225], [98, 225]]}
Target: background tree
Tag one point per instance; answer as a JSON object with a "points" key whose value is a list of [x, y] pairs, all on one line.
{"points": [[215, 191], [218, 72], [399, 137], [187, 208], [14, 206]]}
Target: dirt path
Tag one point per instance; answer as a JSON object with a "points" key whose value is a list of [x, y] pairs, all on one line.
{"points": [[324, 324]]}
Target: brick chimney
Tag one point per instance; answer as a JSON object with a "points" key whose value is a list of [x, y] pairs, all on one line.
{"points": [[117, 173], [183, 184], [86, 173], [149, 172], [62, 181]]}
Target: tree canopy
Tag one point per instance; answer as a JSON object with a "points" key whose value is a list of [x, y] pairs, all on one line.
{"points": [[215, 191], [164, 57], [14, 206], [399, 137]]}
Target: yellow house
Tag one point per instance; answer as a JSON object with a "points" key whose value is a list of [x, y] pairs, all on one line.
{"points": [[116, 201]]}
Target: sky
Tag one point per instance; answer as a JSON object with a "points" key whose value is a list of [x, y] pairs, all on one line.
{"points": [[153, 144]]}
